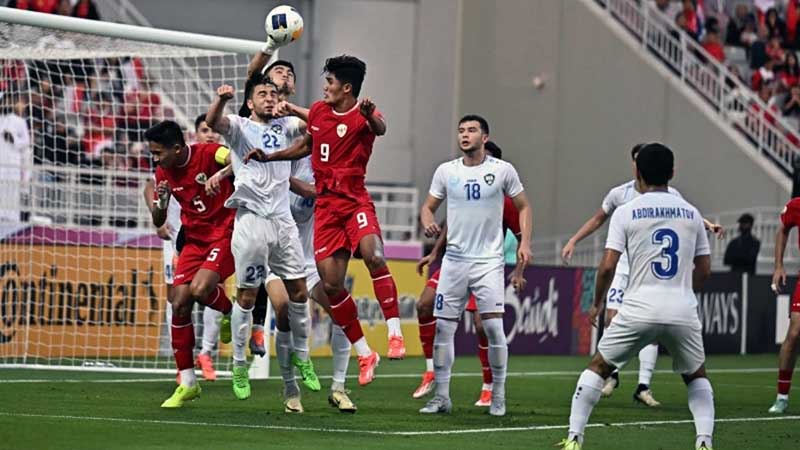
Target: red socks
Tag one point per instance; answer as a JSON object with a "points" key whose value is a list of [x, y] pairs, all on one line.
{"points": [[345, 314], [183, 341], [784, 381], [219, 301], [483, 355], [386, 292], [427, 331]]}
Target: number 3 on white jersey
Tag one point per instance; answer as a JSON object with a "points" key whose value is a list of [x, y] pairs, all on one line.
{"points": [[324, 152]]}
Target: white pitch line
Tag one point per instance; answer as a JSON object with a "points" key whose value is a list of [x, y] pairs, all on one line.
{"points": [[391, 433], [394, 375]]}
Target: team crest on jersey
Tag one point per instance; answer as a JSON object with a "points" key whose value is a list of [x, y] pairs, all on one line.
{"points": [[201, 178], [489, 179], [341, 130], [277, 129]]}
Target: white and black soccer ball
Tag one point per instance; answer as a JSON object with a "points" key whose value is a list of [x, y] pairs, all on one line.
{"points": [[284, 24]]}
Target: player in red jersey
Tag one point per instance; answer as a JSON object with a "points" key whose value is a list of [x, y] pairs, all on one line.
{"points": [[426, 320], [206, 257], [340, 134], [790, 218]]}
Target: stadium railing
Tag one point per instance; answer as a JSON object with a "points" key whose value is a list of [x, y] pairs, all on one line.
{"points": [[588, 252], [733, 102]]}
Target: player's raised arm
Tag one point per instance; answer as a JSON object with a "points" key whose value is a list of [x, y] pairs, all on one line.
{"points": [[215, 116], [426, 216], [523, 206], [260, 59], [300, 148], [589, 227], [284, 108], [301, 188], [376, 123]]}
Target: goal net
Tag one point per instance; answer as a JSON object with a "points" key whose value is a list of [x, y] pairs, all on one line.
{"points": [[81, 267]]}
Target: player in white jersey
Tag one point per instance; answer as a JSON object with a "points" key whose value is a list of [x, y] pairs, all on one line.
{"points": [[475, 186], [670, 259], [169, 235], [16, 158], [615, 198], [265, 238]]}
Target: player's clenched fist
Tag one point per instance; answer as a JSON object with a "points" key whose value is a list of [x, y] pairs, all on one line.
{"points": [[255, 154], [432, 229], [163, 192], [225, 92]]}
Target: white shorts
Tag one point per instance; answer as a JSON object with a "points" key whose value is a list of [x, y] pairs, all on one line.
{"points": [[624, 338], [168, 254], [616, 291], [261, 246], [486, 281]]}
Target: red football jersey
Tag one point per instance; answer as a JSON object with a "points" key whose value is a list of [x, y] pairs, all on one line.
{"points": [[203, 217], [790, 216], [342, 145], [511, 217]]}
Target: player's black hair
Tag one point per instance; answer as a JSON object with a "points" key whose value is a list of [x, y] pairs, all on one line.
{"points": [[635, 150], [166, 133], [474, 117], [347, 69], [493, 149], [655, 162], [200, 119], [284, 63], [257, 79]]}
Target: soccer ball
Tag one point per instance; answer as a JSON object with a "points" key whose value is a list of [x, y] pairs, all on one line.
{"points": [[284, 24]]}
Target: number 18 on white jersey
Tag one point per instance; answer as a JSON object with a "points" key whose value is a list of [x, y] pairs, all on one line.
{"points": [[662, 234]]}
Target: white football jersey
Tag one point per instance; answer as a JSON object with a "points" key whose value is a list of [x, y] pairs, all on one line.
{"points": [[302, 208], [617, 197], [662, 233], [475, 197], [262, 188]]}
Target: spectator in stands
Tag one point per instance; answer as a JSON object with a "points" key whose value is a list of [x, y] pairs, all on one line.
{"points": [[85, 9], [763, 76], [774, 25], [712, 42], [43, 6], [789, 73], [691, 21], [742, 252], [142, 108], [668, 7], [64, 8], [775, 51], [738, 24], [792, 106]]}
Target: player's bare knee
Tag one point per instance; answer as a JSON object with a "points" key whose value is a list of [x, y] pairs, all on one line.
{"points": [[181, 306], [282, 319], [200, 290], [600, 366], [793, 333], [374, 261], [332, 289], [699, 373]]}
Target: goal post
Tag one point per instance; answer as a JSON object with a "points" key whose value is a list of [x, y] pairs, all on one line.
{"points": [[81, 268]]}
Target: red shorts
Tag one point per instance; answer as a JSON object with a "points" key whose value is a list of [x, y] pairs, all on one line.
{"points": [[196, 255], [795, 308], [433, 283], [342, 223]]}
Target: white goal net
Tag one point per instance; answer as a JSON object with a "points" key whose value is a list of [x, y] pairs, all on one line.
{"points": [[80, 265]]}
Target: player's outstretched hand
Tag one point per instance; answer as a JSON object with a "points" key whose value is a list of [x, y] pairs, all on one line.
{"points": [[717, 230], [163, 192], [213, 184], [366, 107], [778, 280], [426, 260], [518, 281], [566, 253], [225, 92], [594, 313], [255, 154], [432, 230]]}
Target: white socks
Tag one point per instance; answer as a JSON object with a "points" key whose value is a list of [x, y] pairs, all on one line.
{"points": [[211, 320], [587, 394], [188, 377], [647, 363], [362, 348], [498, 355], [298, 323], [444, 355], [240, 325], [340, 346], [393, 325], [283, 353], [429, 365], [701, 404]]}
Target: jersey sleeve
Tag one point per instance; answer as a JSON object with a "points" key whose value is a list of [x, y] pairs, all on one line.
{"points": [[675, 192], [512, 187], [438, 184], [511, 216], [234, 133], [616, 239], [702, 246], [312, 114], [790, 216], [610, 202]]}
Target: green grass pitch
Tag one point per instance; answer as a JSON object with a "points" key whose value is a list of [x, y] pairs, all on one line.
{"points": [[84, 410]]}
